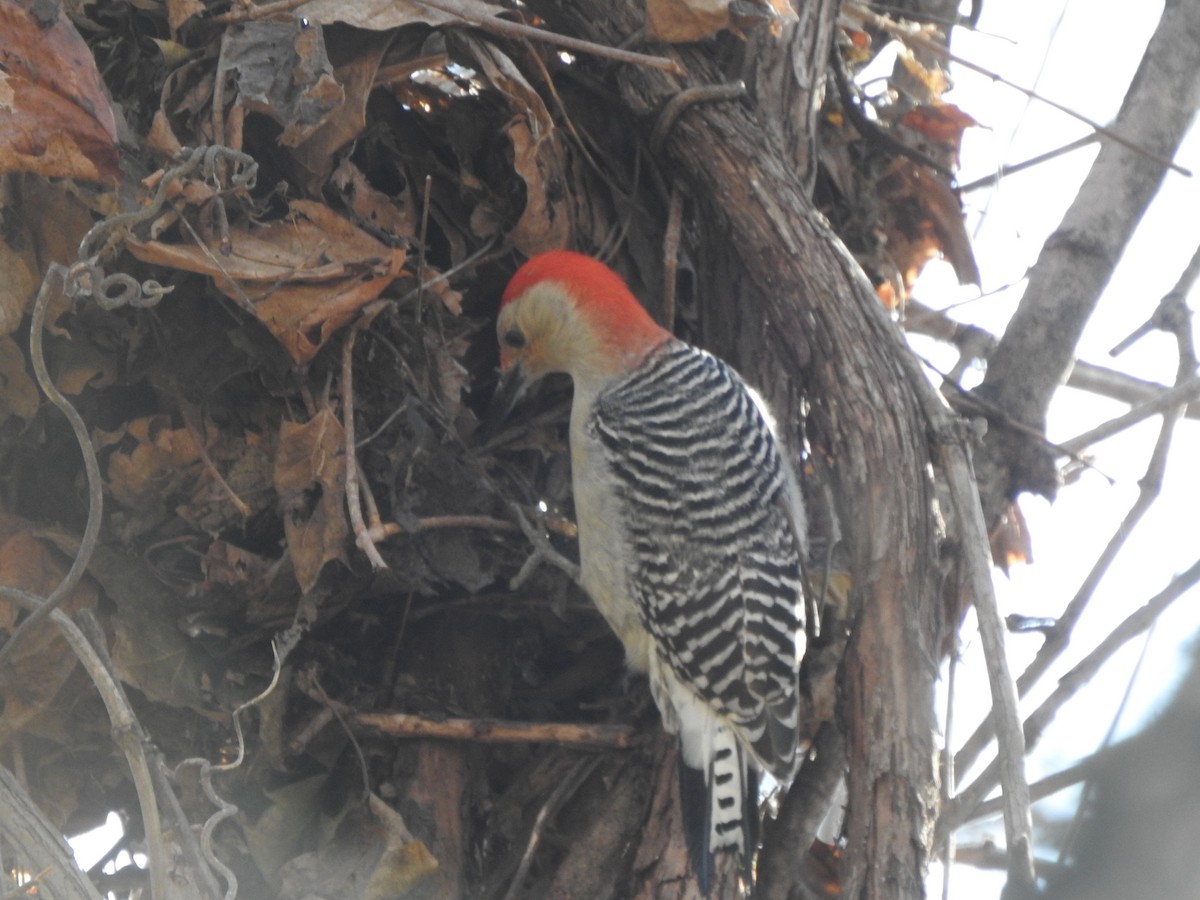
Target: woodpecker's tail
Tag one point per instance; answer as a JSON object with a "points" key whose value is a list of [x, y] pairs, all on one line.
{"points": [[719, 806]]}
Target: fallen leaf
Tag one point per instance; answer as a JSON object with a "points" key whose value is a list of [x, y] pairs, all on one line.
{"points": [[681, 21], [277, 834], [42, 662], [235, 567], [539, 156], [282, 71], [393, 216], [30, 243], [316, 152], [305, 276], [180, 11], [19, 395], [161, 462], [245, 464], [310, 473], [149, 651], [18, 286], [57, 119], [80, 365]]}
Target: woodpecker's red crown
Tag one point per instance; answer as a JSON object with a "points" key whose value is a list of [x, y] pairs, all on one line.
{"points": [[599, 294]]}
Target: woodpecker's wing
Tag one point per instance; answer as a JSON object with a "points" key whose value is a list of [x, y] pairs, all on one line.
{"points": [[714, 555]]}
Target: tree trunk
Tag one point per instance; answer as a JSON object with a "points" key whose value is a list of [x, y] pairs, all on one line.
{"points": [[779, 297]]}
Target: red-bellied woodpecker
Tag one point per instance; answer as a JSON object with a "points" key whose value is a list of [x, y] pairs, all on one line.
{"points": [[691, 527]]}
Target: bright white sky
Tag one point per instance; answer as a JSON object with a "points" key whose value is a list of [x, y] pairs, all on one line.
{"points": [[1085, 62]]}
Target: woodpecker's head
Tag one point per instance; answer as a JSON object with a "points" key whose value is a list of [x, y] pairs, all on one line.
{"points": [[566, 312]]}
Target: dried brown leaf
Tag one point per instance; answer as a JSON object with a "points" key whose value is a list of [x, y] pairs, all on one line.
{"points": [[310, 474], [681, 21], [57, 120], [19, 395], [923, 219], [539, 156], [42, 662], [316, 152], [396, 216], [52, 222], [180, 11], [282, 71], [18, 286], [160, 462], [305, 276]]}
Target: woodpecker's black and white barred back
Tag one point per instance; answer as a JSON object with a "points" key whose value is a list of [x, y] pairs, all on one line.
{"points": [[714, 523]]}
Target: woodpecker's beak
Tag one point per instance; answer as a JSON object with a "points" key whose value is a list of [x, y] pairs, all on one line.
{"points": [[510, 389]]}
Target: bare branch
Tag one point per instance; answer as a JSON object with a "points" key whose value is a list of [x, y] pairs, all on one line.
{"points": [[967, 801], [504, 28], [1150, 486], [496, 731]]}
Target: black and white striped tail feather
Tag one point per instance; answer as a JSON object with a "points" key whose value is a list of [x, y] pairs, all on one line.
{"points": [[719, 807]]}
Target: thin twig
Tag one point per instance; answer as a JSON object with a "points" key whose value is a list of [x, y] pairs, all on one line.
{"points": [[91, 530], [1182, 394], [239, 504], [671, 236], [505, 28], [955, 464], [250, 13], [988, 181], [1083, 807], [966, 803], [915, 38], [1171, 314], [363, 538], [566, 789], [685, 100], [1150, 486], [543, 551], [1057, 641], [423, 234], [1048, 786], [126, 728], [497, 731], [317, 692], [975, 343], [432, 523], [947, 758], [318, 722]]}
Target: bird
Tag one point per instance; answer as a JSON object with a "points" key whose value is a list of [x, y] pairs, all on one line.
{"points": [[691, 530]]}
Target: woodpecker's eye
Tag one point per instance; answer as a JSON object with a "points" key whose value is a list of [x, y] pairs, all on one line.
{"points": [[514, 338]]}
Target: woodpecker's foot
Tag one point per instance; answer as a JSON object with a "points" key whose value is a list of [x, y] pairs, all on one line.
{"points": [[543, 551]]}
